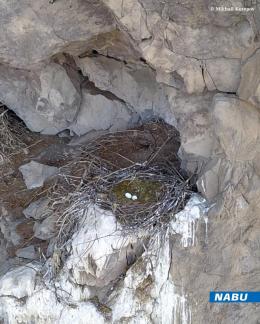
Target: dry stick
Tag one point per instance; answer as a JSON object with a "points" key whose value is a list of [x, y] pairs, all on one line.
{"points": [[154, 156]]}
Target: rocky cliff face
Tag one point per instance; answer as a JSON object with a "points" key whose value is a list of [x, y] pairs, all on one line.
{"points": [[82, 68]]}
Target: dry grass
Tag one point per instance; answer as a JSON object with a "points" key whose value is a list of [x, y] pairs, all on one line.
{"points": [[10, 136]]}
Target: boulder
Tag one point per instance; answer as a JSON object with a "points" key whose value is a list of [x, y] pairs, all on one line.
{"points": [[37, 209], [26, 253], [19, 91], [59, 99], [35, 174], [99, 111], [46, 229], [47, 100]]}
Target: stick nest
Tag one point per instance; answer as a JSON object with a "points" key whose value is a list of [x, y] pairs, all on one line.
{"points": [[141, 162]]}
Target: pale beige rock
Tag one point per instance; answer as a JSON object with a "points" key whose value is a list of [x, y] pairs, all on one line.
{"points": [[197, 138], [222, 74], [99, 112], [47, 100], [237, 126], [38, 29], [59, 98], [209, 41], [249, 88], [208, 184], [131, 15], [194, 124], [134, 85], [193, 77]]}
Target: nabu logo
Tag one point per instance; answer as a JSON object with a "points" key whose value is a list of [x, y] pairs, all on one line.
{"points": [[234, 297], [231, 297]]}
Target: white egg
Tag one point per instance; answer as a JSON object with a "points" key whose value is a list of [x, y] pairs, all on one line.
{"points": [[128, 195], [134, 197]]}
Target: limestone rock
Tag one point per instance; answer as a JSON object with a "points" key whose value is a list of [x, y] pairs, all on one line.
{"points": [[194, 124], [209, 184], [19, 282], [47, 100], [192, 77], [197, 138], [19, 90], [37, 209], [46, 229], [8, 227], [26, 252], [116, 44], [198, 42], [227, 258], [40, 306], [36, 30], [99, 112], [134, 84], [125, 12], [148, 291], [99, 259], [35, 174], [185, 221], [184, 49], [249, 88], [59, 99], [236, 124], [172, 79], [105, 256], [222, 74]]}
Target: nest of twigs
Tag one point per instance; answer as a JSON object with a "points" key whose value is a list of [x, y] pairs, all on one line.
{"points": [[10, 135], [159, 189]]}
